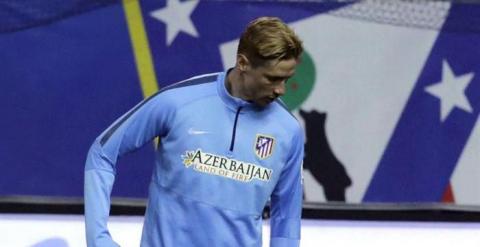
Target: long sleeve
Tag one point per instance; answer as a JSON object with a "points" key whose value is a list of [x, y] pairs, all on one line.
{"points": [[140, 125], [286, 200]]}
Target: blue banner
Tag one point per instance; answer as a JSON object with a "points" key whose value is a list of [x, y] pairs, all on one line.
{"points": [[388, 92]]}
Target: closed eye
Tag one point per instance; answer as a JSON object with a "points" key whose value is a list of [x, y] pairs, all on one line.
{"points": [[277, 78]]}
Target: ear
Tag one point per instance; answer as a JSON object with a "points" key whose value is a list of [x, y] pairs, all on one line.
{"points": [[242, 62]]}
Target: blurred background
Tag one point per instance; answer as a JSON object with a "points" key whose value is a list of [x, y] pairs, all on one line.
{"points": [[388, 93]]}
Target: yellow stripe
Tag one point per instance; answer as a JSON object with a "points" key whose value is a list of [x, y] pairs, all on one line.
{"points": [[141, 49]]}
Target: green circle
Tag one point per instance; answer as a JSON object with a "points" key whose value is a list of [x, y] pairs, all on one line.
{"points": [[299, 87]]}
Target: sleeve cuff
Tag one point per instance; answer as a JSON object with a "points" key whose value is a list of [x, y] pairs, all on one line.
{"points": [[284, 242]]}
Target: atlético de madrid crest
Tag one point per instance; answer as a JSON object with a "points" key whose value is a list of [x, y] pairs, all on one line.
{"points": [[264, 146]]}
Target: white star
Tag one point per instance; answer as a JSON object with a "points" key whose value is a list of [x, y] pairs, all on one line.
{"points": [[176, 16], [451, 91]]}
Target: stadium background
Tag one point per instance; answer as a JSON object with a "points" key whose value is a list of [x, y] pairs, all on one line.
{"points": [[388, 93]]}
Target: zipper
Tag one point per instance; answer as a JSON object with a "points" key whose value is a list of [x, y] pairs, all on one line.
{"points": [[232, 143]]}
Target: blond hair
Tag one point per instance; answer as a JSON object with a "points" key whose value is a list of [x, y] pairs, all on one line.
{"points": [[269, 38]]}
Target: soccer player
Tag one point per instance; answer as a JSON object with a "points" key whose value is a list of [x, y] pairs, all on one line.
{"points": [[227, 145]]}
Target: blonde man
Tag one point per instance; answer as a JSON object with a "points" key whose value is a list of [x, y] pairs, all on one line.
{"points": [[227, 146]]}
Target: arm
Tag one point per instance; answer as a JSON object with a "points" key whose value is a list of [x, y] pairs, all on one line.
{"points": [[286, 200], [137, 127]]}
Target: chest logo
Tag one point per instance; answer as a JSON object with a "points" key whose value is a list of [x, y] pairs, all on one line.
{"points": [[223, 166], [264, 146]]}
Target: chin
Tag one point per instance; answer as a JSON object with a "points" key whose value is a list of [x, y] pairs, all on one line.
{"points": [[264, 103]]}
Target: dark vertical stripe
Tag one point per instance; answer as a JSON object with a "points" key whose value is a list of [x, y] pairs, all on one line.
{"points": [[235, 128]]}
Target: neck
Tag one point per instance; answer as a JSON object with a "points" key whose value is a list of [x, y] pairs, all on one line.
{"points": [[234, 84]]}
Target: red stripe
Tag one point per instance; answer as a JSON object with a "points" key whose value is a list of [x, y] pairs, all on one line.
{"points": [[448, 195], [270, 145]]}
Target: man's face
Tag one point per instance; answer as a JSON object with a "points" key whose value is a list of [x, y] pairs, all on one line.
{"points": [[264, 83]]}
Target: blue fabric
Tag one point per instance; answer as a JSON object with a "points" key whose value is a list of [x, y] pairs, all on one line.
{"points": [[283, 242], [202, 193]]}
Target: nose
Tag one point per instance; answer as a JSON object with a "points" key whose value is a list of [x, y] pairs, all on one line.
{"points": [[279, 90]]}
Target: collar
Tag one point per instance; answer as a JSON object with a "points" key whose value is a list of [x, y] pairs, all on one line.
{"points": [[232, 102]]}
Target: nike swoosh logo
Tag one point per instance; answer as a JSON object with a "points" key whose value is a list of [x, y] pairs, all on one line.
{"points": [[191, 131]]}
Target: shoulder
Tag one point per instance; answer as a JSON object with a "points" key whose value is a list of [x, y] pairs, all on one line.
{"points": [[284, 116], [187, 90], [193, 83], [286, 123]]}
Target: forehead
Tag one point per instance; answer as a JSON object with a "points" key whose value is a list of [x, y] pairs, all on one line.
{"points": [[280, 68]]}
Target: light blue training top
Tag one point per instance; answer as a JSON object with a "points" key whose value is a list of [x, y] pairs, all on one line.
{"points": [[218, 162]]}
